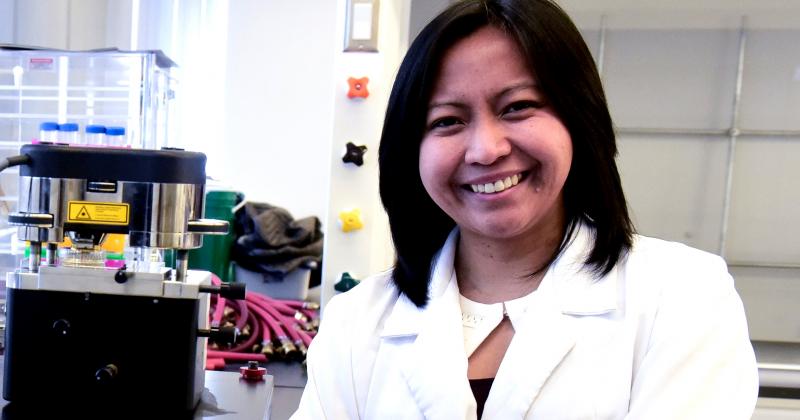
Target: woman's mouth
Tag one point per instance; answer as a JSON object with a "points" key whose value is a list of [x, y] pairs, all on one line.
{"points": [[497, 186]]}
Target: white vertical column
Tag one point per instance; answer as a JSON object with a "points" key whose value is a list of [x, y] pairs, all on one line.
{"points": [[368, 250]]}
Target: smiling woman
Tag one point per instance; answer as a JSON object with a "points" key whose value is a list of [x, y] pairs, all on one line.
{"points": [[520, 289], [488, 126]]}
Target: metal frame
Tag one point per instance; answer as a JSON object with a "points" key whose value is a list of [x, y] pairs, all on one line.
{"points": [[732, 133]]}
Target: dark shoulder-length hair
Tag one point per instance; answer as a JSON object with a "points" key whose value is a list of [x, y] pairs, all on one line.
{"points": [[566, 75]]}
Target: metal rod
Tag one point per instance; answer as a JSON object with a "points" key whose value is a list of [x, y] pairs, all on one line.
{"points": [[35, 257], [601, 50], [706, 132], [181, 264], [734, 133], [769, 133], [755, 264], [672, 131], [51, 254]]}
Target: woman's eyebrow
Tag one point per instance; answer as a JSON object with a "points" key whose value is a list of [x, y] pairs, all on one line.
{"points": [[503, 92], [453, 104], [515, 88]]}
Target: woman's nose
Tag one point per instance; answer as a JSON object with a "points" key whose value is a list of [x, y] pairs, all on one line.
{"points": [[487, 144]]}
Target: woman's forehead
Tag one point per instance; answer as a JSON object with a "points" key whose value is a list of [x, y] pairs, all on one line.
{"points": [[486, 59]]}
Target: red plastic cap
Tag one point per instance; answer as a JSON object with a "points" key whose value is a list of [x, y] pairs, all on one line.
{"points": [[253, 373]]}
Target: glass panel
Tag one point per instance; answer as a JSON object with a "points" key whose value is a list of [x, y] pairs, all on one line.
{"points": [[671, 79], [771, 83], [674, 186], [765, 201]]}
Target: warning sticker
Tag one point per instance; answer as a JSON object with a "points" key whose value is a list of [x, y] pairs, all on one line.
{"points": [[98, 213]]}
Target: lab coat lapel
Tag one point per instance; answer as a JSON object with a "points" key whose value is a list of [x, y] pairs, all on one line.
{"points": [[548, 330], [542, 339], [434, 365]]}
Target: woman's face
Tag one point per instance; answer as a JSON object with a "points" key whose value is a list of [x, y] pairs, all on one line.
{"points": [[494, 156]]}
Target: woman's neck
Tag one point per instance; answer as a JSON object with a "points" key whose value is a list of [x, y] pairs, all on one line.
{"points": [[491, 270]]}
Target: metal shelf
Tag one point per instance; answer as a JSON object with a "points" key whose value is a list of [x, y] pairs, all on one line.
{"points": [[123, 88], [27, 116], [68, 98]]}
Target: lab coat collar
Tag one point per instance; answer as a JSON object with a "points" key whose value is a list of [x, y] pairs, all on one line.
{"points": [[435, 365], [571, 287], [577, 290], [406, 318]]}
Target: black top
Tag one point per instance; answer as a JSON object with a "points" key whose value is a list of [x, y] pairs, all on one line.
{"points": [[480, 389], [96, 163]]}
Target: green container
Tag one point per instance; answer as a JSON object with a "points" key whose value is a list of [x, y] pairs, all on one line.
{"points": [[214, 255]]}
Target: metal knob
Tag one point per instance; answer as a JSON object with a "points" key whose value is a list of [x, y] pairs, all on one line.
{"points": [[221, 334], [61, 328], [106, 374], [235, 291]]}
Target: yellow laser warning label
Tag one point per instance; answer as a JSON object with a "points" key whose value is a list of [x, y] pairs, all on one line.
{"points": [[98, 213]]}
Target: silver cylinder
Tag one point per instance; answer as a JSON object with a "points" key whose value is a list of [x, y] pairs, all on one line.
{"points": [[35, 257], [181, 264], [51, 254], [158, 213]]}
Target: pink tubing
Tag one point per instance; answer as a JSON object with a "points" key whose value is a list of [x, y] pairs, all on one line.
{"points": [[255, 331], [305, 337], [268, 318], [229, 355], [219, 311], [215, 363], [244, 314], [286, 321]]}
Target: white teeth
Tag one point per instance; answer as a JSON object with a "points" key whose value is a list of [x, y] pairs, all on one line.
{"points": [[497, 186]]}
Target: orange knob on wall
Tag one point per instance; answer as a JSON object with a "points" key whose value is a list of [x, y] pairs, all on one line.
{"points": [[358, 87]]}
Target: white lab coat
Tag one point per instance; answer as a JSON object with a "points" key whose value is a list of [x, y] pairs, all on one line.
{"points": [[662, 336]]}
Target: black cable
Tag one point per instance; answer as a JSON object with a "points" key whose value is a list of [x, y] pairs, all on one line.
{"points": [[14, 161]]}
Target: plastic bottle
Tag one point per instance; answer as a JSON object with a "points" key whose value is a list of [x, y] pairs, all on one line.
{"points": [[115, 136], [95, 135], [68, 133], [48, 132]]}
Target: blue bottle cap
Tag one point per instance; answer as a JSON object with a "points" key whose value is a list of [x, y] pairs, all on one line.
{"points": [[48, 126], [68, 127], [115, 131], [95, 129]]}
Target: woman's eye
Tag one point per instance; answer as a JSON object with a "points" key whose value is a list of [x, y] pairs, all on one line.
{"points": [[521, 106], [444, 122]]}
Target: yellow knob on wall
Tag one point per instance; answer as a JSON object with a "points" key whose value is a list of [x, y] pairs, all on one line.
{"points": [[350, 220]]}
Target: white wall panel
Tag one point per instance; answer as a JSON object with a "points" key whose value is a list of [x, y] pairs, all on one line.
{"points": [[278, 107], [771, 88], [770, 299], [7, 26], [765, 207], [671, 79], [675, 187], [87, 24], [42, 23]]}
